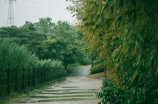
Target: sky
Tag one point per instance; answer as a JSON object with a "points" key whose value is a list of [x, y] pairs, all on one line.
{"points": [[32, 10]]}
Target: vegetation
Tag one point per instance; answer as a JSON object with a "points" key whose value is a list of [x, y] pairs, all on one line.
{"points": [[97, 61], [124, 34], [23, 36], [71, 67], [63, 44], [48, 40], [20, 69], [97, 75], [37, 53], [97, 68], [15, 56]]}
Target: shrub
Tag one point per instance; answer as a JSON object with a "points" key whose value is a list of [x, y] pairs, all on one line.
{"points": [[114, 94], [24, 64], [111, 93], [97, 68], [14, 56], [85, 61], [96, 62]]}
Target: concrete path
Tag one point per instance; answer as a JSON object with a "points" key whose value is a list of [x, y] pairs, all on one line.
{"points": [[77, 89]]}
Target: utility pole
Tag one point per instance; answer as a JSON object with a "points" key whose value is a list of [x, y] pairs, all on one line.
{"points": [[10, 21]]}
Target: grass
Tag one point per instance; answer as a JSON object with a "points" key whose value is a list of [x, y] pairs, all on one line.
{"points": [[16, 96], [97, 75]]}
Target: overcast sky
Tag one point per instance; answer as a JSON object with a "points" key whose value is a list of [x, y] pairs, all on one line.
{"points": [[32, 10]]}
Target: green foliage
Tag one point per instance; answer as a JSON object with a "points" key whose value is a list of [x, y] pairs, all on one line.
{"points": [[16, 62], [124, 34], [30, 26], [97, 61], [48, 40], [24, 36], [44, 25], [63, 44], [112, 94], [85, 61], [15, 56], [71, 67], [97, 68]]}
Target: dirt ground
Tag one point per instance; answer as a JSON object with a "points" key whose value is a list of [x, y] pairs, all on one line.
{"points": [[77, 89]]}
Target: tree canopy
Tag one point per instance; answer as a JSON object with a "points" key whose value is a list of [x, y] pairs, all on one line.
{"points": [[48, 40], [124, 34], [63, 43]]}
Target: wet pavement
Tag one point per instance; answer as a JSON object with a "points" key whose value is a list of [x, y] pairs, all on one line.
{"points": [[77, 89]]}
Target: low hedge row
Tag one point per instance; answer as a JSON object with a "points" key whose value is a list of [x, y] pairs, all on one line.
{"points": [[97, 68]]}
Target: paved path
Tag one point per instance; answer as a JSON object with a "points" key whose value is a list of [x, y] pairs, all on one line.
{"points": [[77, 89]]}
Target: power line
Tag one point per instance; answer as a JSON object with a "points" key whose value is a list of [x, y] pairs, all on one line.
{"points": [[41, 8], [42, 3]]}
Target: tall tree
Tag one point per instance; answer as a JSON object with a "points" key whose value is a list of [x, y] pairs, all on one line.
{"points": [[63, 44], [44, 25], [25, 36], [124, 33]]}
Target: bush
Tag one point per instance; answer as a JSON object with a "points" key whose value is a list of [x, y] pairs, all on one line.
{"points": [[14, 56], [114, 94], [85, 61], [17, 57], [22, 64], [111, 93], [97, 68], [96, 62]]}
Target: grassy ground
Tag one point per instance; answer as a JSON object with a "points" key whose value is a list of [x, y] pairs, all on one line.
{"points": [[97, 75], [16, 96]]}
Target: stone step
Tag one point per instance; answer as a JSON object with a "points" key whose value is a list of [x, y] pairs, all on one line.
{"points": [[61, 93], [64, 102], [34, 100], [62, 96], [59, 89]]}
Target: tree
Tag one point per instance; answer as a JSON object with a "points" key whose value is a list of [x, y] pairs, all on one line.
{"points": [[25, 36], [63, 44], [44, 25], [124, 33], [29, 26]]}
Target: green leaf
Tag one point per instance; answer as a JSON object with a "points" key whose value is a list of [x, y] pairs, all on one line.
{"points": [[141, 38], [134, 76]]}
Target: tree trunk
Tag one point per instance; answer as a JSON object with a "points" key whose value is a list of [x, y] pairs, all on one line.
{"points": [[92, 63], [105, 69]]}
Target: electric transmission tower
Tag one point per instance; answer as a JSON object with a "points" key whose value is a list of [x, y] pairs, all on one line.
{"points": [[10, 21]]}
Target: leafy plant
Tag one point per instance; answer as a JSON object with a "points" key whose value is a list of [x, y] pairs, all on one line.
{"points": [[14, 56], [124, 34], [17, 57], [97, 68]]}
